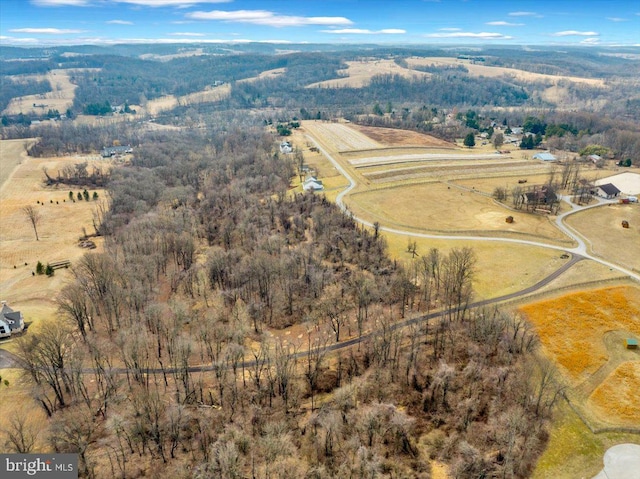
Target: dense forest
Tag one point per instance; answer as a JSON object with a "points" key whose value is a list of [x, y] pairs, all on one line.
{"points": [[170, 357]]}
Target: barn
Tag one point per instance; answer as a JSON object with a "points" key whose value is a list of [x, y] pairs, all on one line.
{"points": [[608, 191]]}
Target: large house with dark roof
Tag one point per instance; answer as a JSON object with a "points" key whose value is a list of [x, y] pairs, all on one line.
{"points": [[10, 321]]}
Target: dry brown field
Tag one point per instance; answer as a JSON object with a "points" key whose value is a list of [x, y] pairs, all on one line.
{"points": [[492, 72], [602, 227], [438, 207], [393, 136], [165, 58], [59, 98], [276, 72], [61, 224], [359, 73], [491, 278], [12, 153], [535, 172], [210, 94], [584, 334]]}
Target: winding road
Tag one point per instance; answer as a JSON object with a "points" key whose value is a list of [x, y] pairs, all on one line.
{"points": [[578, 253], [581, 250]]}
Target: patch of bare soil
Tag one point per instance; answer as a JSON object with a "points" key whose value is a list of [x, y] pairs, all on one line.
{"points": [[395, 137]]}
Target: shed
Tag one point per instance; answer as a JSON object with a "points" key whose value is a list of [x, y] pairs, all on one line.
{"points": [[632, 343], [544, 156]]}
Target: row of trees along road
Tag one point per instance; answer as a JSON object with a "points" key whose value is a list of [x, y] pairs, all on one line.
{"points": [[206, 259]]}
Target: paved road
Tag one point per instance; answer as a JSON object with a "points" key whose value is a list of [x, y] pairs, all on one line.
{"points": [[581, 249]]}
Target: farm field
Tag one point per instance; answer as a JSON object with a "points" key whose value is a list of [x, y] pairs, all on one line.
{"points": [[59, 98], [61, 224], [491, 279], [447, 209], [602, 227], [211, 94], [359, 73], [492, 72], [584, 333], [533, 177], [12, 153]]}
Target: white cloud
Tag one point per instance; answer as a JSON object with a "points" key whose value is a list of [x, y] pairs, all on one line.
{"points": [[481, 35], [504, 24], [47, 31], [187, 34], [523, 14], [590, 41], [450, 29], [60, 3], [617, 19], [264, 17], [119, 22], [169, 3], [572, 33], [364, 31]]}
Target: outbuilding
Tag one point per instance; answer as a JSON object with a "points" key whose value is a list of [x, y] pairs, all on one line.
{"points": [[546, 156], [607, 191]]}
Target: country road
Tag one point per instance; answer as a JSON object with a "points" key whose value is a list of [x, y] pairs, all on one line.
{"points": [[9, 360], [581, 249]]}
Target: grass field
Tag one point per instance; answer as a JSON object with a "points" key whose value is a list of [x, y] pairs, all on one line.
{"points": [[602, 227], [442, 208], [573, 450], [61, 224], [59, 98], [359, 73], [572, 327], [492, 72], [491, 278], [12, 153], [622, 384]]}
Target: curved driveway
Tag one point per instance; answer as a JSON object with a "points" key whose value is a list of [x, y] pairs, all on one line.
{"points": [[580, 250]]}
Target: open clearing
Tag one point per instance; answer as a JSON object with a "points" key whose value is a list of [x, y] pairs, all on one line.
{"points": [[492, 72], [584, 334], [169, 102], [359, 73], [393, 136], [602, 227], [439, 208], [59, 98], [12, 153], [61, 224]]}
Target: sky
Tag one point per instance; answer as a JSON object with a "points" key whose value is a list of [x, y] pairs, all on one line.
{"points": [[397, 22]]}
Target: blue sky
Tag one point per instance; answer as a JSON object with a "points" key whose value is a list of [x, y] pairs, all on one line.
{"points": [[542, 22]]}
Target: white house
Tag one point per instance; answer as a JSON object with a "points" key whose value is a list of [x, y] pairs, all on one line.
{"points": [[312, 184], [10, 321], [285, 147]]}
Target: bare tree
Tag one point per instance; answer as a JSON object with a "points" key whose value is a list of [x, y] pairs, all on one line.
{"points": [[34, 217]]}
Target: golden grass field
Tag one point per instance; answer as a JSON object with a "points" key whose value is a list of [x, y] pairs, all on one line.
{"points": [[209, 94], [59, 98], [623, 385], [60, 226], [492, 72], [602, 227], [442, 208], [359, 73], [572, 327], [491, 278]]}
